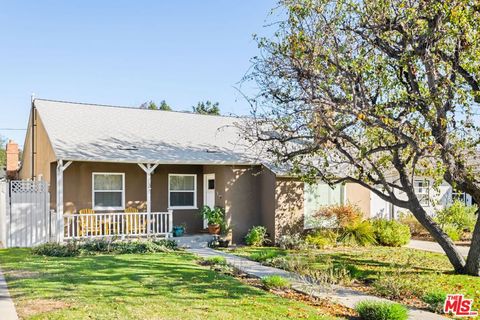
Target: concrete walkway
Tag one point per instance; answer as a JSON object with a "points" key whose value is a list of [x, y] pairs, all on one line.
{"points": [[433, 247], [7, 308], [341, 295]]}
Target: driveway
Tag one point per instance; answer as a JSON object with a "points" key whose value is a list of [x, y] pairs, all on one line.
{"points": [[434, 247]]}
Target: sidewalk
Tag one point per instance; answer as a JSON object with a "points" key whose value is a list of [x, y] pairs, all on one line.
{"points": [[7, 308], [433, 247], [341, 295]]}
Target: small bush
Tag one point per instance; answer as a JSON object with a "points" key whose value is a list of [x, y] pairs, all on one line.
{"points": [[416, 228], [321, 238], [458, 215], [331, 274], [396, 286], [217, 260], [336, 216], [435, 300], [104, 246], [53, 249], [256, 236], [391, 233], [264, 256], [452, 232], [358, 233], [380, 310], [276, 282], [291, 242]]}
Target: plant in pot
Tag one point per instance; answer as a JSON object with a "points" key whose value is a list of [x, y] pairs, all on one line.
{"points": [[215, 217], [180, 230]]}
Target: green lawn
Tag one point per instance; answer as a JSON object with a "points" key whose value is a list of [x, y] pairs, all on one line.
{"points": [[149, 286], [414, 272]]}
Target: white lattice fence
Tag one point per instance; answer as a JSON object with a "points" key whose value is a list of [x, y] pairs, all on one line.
{"points": [[27, 220]]}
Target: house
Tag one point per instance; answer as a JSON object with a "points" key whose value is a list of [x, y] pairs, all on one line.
{"points": [[119, 160]]}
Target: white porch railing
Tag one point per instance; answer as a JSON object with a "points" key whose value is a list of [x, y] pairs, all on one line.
{"points": [[121, 224]]}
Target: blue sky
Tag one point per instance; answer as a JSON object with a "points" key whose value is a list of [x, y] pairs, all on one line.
{"points": [[125, 53]]}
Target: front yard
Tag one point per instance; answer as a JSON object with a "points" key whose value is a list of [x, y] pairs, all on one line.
{"points": [[136, 286], [402, 274]]}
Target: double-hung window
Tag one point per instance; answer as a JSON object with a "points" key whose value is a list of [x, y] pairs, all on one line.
{"points": [[182, 191], [108, 191], [422, 190]]}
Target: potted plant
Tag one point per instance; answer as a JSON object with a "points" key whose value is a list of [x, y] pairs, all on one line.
{"points": [[179, 231], [214, 217]]}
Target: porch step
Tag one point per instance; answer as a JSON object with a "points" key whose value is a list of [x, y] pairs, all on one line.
{"points": [[194, 241]]}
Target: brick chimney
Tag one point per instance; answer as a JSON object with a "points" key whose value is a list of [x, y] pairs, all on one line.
{"points": [[12, 159]]}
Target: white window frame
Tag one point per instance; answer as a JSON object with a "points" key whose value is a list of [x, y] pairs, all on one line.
{"points": [[94, 191], [194, 191], [425, 202], [462, 196]]}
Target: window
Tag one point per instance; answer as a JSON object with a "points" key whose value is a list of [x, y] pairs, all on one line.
{"points": [[108, 191], [182, 191], [461, 196], [422, 190]]}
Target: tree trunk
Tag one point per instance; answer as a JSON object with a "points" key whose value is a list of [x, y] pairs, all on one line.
{"points": [[473, 260], [456, 259]]}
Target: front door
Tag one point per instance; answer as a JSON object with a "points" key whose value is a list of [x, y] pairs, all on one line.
{"points": [[208, 192]]}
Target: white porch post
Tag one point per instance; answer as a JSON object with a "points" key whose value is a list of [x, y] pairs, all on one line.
{"points": [[60, 168], [148, 168]]}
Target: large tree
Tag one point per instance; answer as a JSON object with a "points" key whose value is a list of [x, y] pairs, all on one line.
{"points": [[376, 92]]}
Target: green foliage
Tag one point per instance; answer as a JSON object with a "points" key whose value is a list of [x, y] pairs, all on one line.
{"points": [[217, 260], [214, 215], [380, 310], [322, 238], [153, 106], [276, 282], [435, 300], [391, 233], [452, 232], [3, 152], [291, 242], [416, 228], [71, 249], [256, 236], [264, 256], [458, 215], [396, 286], [358, 233], [53, 249], [207, 107]]}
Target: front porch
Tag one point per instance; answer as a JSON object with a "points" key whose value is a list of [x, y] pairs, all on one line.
{"points": [[118, 224]]}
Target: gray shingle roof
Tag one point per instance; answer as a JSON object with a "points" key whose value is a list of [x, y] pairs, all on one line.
{"points": [[85, 132]]}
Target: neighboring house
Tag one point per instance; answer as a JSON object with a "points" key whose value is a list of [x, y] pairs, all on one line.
{"points": [[432, 199], [110, 159]]}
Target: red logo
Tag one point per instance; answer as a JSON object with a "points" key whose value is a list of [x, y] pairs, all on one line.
{"points": [[459, 306]]}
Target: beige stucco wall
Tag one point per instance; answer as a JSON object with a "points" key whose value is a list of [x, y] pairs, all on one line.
{"points": [[289, 207], [359, 196], [44, 154]]}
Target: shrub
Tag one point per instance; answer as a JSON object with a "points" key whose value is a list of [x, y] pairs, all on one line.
{"points": [[391, 233], [292, 242], [452, 232], [331, 274], [104, 246], [276, 282], [435, 300], [267, 255], [458, 215], [53, 249], [381, 310], [321, 238], [397, 286], [358, 233], [214, 215], [256, 236], [217, 260], [337, 216], [416, 228]]}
